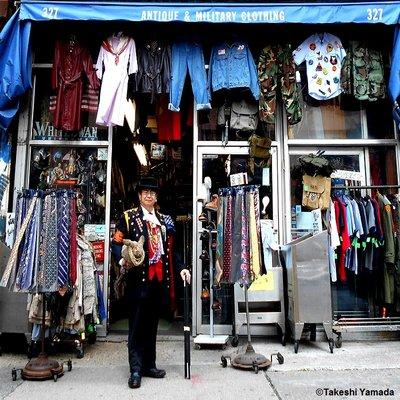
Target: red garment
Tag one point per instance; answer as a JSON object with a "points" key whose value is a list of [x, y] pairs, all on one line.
{"points": [[71, 60], [168, 122], [345, 239], [73, 254], [156, 270]]}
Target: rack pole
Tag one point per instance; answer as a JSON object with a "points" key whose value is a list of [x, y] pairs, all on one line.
{"points": [[246, 300], [43, 327], [365, 187]]}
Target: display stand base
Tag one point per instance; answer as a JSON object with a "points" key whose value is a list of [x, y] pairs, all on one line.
{"points": [[218, 340], [249, 359], [42, 368]]}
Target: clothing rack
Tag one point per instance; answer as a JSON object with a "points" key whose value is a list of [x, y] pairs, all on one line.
{"points": [[379, 324]]}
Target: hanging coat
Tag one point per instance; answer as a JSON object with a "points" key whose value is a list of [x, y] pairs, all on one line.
{"points": [[118, 56], [154, 71], [71, 62]]}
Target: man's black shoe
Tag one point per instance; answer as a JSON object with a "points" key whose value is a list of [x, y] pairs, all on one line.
{"points": [[135, 380], [155, 373]]}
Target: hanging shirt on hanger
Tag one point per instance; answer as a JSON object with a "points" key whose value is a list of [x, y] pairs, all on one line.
{"points": [[118, 56], [324, 56]]}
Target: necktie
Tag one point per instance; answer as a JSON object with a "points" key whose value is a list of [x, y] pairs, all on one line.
{"points": [[26, 263], [49, 257], [227, 247], [220, 236], [244, 277], [73, 243], [14, 252], [63, 239], [254, 250]]}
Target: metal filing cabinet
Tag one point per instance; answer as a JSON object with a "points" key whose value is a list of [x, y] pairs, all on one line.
{"points": [[308, 285]]}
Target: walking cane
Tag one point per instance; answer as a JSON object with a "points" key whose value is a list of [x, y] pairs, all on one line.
{"points": [[186, 328]]}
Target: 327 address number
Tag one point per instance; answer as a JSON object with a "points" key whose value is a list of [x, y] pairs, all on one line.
{"points": [[374, 14], [50, 12]]}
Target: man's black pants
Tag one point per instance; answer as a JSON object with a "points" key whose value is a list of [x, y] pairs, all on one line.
{"points": [[144, 314]]}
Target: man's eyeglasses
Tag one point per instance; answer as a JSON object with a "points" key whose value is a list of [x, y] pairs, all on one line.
{"points": [[151, 193]]}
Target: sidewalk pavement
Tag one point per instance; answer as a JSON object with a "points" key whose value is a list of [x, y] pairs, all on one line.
{"points": [[358, 370]]}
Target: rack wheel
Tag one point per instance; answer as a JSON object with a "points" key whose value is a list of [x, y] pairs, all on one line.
{"points": [[331, 345], [14, 374], [224, 362], [55, 377], [255, 368], [197, 346], [80, 352], [280, 358], [283, 339], [338, 343], [296, 346], [235, 341], [69, 365]]}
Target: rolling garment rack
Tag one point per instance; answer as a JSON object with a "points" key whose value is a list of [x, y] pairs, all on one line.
{"points": [[41, 367], [376, 324]]}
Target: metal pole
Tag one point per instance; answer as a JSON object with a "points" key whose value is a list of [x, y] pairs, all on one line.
{"points": [[43, 328], [246, 300], [186, 328], [366, 187]]}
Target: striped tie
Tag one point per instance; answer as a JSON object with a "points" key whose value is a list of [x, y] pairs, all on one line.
{"points": [[63, 239], [14, 252]]}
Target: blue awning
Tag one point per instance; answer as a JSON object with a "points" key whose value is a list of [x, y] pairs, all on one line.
{"points": [[15, 64], [386, 12], [15, 67]]}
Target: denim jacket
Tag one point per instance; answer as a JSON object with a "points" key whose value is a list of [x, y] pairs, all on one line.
{"points": [[233, 66]]}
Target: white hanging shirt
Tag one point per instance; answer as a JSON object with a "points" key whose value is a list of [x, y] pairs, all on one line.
{"points": [[324, 56], [118, 55]]}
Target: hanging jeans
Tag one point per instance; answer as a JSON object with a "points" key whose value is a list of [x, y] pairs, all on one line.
{"points": [[186, 55], [277, 68]]}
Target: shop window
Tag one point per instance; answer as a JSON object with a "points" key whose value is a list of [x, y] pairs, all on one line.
{"points": [[44, 103], [301, 218], [212, 127], [81, 169], [342, 118]]}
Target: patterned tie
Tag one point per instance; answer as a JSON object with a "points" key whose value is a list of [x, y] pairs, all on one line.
{"points": [[49, 257], [254, 249], [220, 236], [63, 239], [26, 263], [244, 278], [73, 260], [14, 252], [226, 265]]}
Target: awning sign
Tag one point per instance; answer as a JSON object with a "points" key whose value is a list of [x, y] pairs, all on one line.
{"points": [[323, 13]]}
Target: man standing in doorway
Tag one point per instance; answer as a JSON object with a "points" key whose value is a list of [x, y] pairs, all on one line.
{"points": [[148, 279]]}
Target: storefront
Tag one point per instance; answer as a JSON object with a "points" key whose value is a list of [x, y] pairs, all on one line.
{"points": [[355, 130]]}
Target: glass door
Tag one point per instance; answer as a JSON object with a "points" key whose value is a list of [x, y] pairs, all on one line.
{"points": [[216, 165]]}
